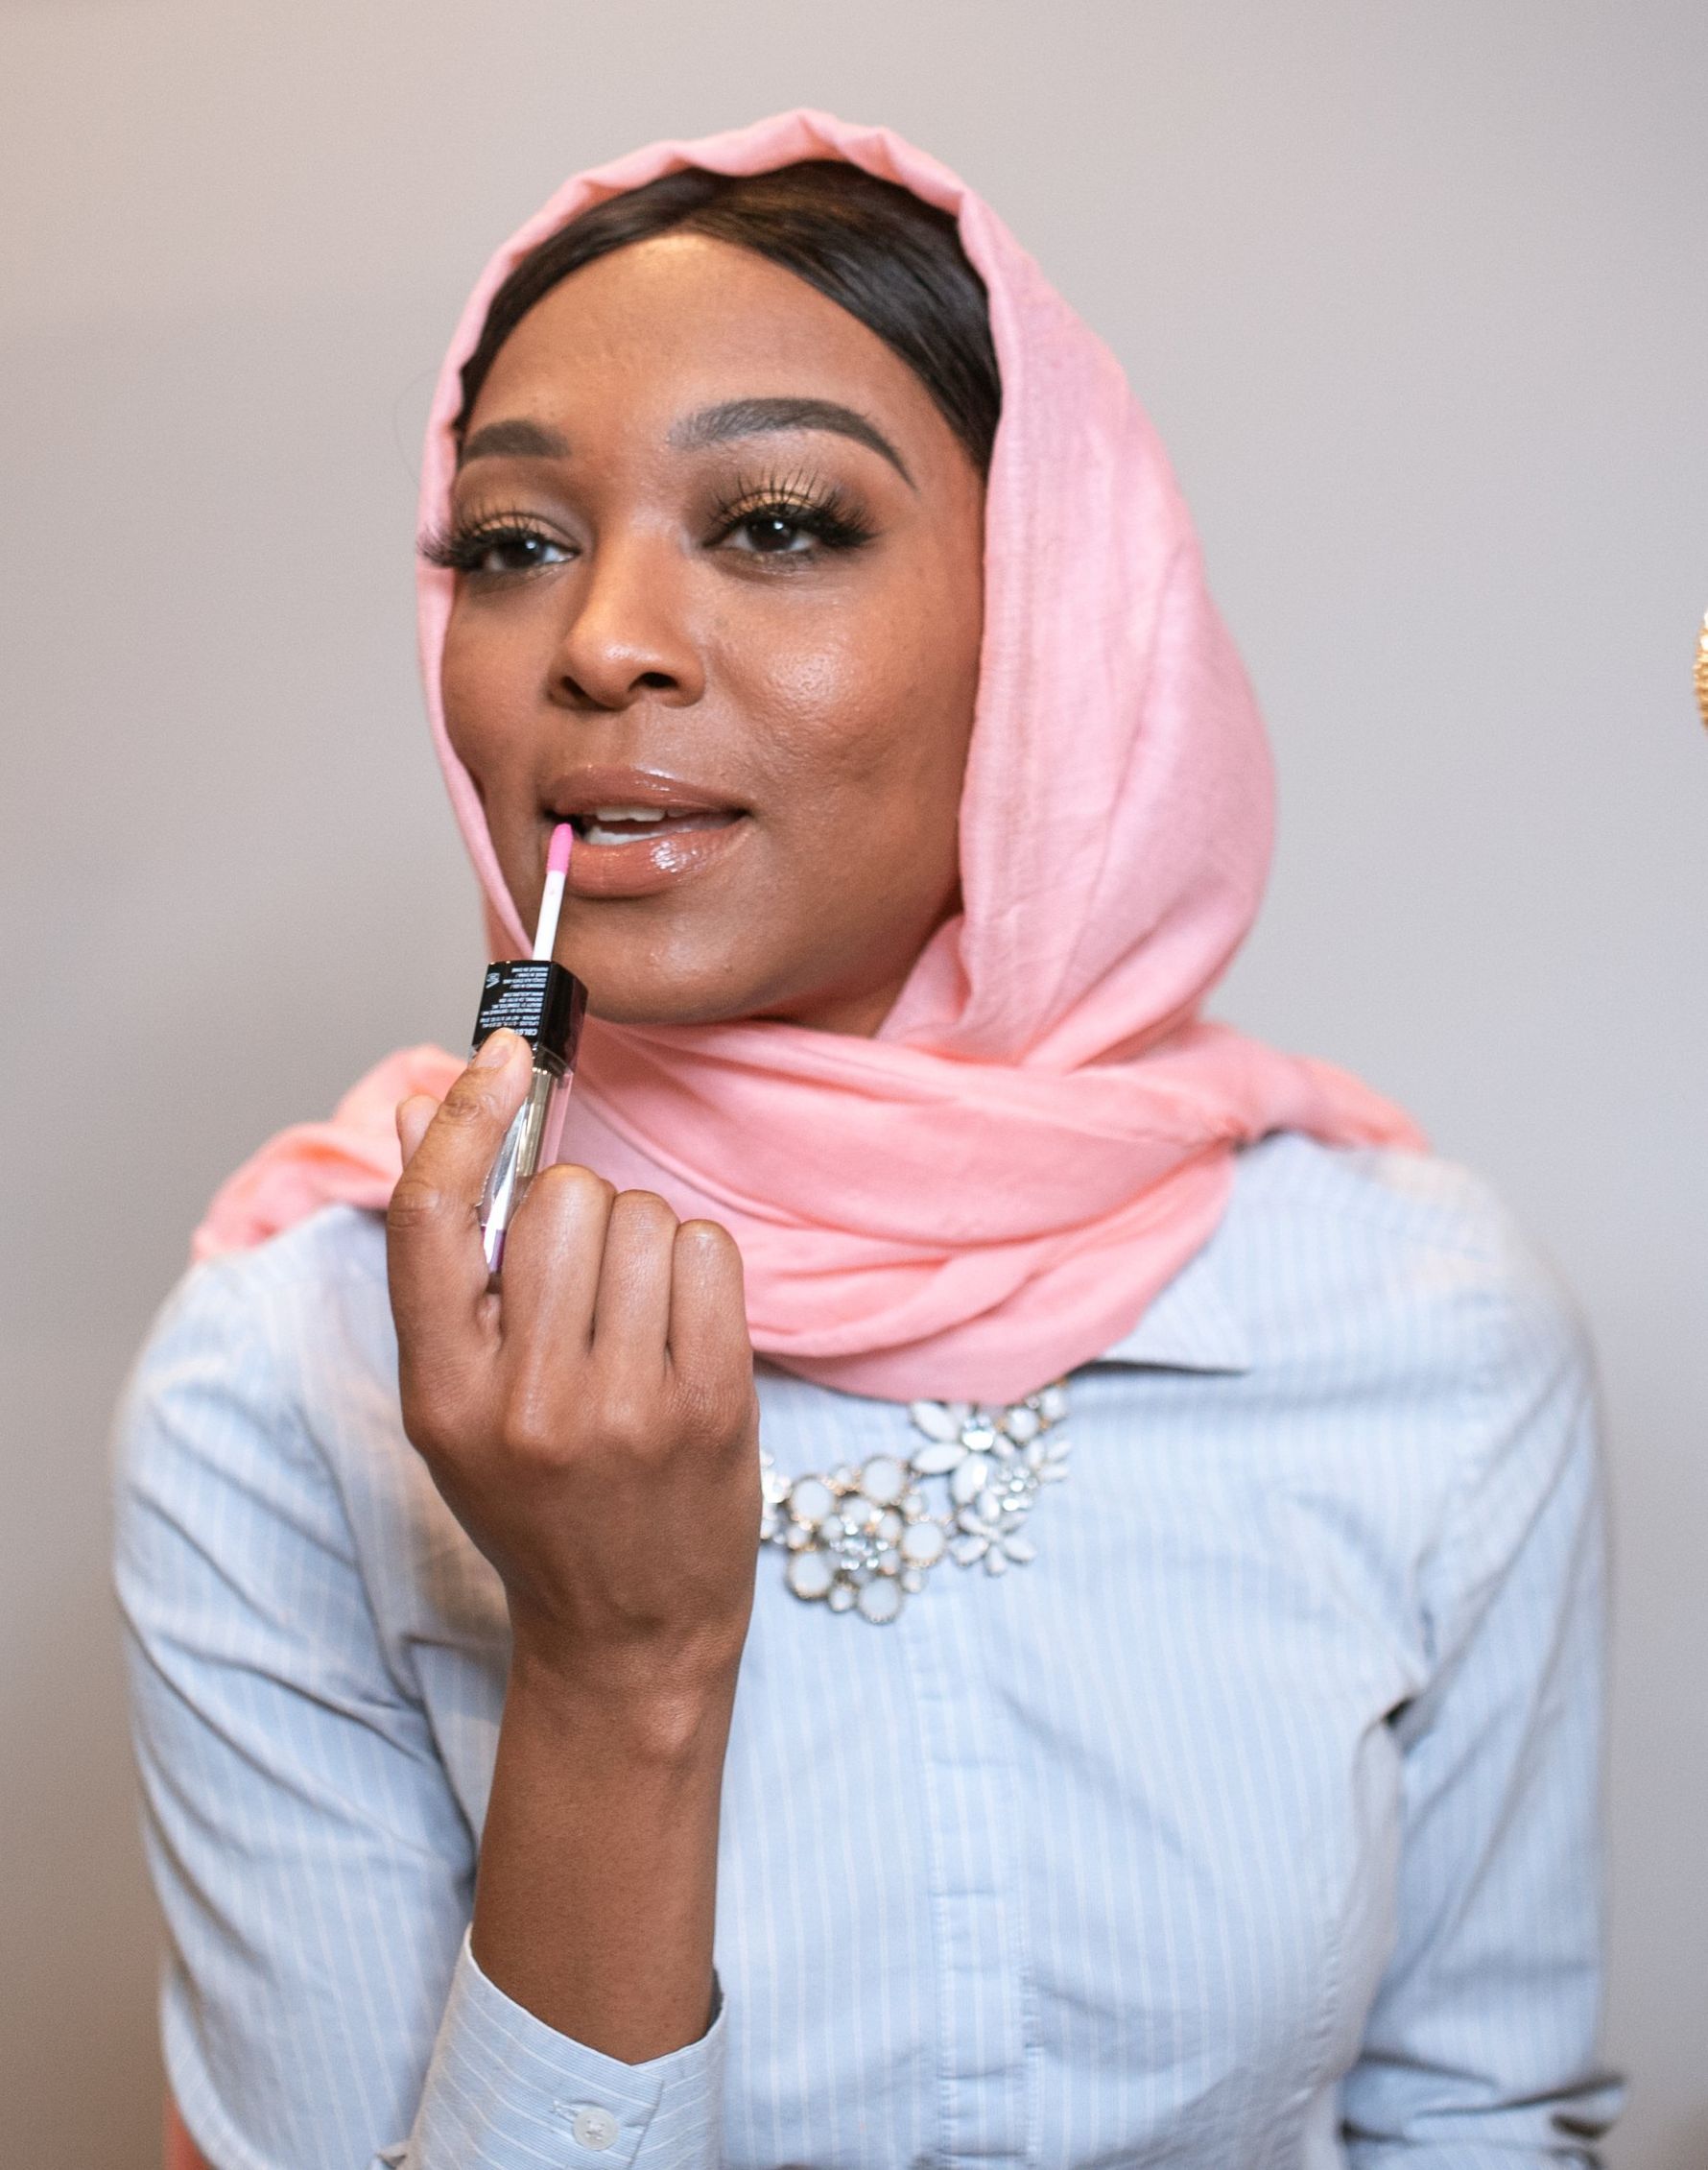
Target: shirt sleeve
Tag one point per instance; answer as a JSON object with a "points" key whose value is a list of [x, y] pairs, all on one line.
{"points": [[1479, 2051], [320, 2007]]}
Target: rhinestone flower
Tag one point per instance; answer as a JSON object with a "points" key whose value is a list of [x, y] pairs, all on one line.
{"points": [[989, 1524], [863, 1539], [857, 1538]]}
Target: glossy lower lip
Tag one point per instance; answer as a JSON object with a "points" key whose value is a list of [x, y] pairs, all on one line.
{"points": [[650, 863]]}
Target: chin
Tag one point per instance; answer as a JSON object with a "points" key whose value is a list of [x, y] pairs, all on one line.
{"points": [[618, 1000]]}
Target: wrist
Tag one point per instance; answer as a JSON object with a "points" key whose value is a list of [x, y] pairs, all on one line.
{"points": [[640, 1705]]}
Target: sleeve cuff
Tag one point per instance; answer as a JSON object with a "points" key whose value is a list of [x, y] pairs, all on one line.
{"points": [[505, 2091]]}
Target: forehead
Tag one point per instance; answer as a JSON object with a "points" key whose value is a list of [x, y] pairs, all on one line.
{"points": [[664, 327]]}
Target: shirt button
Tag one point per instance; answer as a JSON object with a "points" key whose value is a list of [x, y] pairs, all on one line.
{"points": [[593, 2127]]}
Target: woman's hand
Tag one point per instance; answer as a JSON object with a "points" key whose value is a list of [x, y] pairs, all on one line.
{"points": [[593, 1426], [594, 1429]]}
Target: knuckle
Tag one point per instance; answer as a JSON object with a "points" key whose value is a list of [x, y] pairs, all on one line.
{"points": [[712, 1248], [533, 1432], [547, 1192], [712, 1411], [469, 1101], [713, 1234], [576, 1185], [415, 1203], [420, 1428], [429, 1423], [644, 1207], [628, 1424]]}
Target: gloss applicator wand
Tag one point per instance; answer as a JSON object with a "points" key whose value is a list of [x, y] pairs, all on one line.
{"points": [[545, 1004]]}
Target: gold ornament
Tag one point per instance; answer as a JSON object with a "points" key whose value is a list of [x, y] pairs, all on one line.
{"points": [[1702, 672]]}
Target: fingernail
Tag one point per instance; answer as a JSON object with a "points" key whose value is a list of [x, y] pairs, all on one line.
{"points": [[494, 1051]]}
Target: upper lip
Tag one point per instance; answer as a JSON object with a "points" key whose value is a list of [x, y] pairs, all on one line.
{"points": [[584, 790]]}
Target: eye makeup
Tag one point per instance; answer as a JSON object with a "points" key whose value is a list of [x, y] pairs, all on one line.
{"points": [[794, 515], [466, 545], [790, 505]]}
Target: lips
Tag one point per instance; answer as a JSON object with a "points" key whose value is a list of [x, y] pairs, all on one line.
{"points": [[638, 831]]}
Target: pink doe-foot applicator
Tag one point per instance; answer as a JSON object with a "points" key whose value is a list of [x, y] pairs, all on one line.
{"points": [[537, 998]]}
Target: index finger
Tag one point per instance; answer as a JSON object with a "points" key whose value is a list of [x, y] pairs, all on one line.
{"points": [[434, 1259]]}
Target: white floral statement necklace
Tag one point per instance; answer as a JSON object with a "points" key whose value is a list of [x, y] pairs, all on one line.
{"points": [[864, 1539]]}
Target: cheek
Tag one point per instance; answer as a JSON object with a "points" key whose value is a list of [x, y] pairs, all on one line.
{"points": [[493, 664], [465, 694], [871, 704], [493, 729]]}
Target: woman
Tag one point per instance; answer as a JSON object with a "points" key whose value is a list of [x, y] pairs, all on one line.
{"points": [[1231, 1804]]}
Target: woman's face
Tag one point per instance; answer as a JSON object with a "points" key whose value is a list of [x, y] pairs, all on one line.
{"points": [[718, 603]]}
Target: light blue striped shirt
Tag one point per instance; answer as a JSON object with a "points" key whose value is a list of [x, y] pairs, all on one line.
{"points": [[1253, 1826]]}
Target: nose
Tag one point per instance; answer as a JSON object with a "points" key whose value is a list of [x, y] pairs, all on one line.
{"points": [[629, 632]]}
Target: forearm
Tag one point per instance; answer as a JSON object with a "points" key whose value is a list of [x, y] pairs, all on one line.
{"points": [[596, 1895], [593, 1427]]}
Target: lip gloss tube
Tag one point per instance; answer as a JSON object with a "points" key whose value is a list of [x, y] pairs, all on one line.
{"points": [[545, 1004]]}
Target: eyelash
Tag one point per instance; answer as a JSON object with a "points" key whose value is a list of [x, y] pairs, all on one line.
{"points": [[823, 511], [460, 545]]}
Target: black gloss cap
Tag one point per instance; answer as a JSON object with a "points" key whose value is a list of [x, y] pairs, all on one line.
{"points": [[539, 1000]]}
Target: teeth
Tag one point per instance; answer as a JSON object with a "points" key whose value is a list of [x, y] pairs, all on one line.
{"points": [[627, 825]]}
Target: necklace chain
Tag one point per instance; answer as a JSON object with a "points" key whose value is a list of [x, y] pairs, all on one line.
{"points": [[866, 1540]]}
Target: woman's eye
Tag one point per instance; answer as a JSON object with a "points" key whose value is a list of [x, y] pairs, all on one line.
{"points": [[773, 535], [516, 551]]}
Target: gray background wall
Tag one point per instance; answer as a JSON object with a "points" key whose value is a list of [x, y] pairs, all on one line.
{"points": [[1419, 297]]}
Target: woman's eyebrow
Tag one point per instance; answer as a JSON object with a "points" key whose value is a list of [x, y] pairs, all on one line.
{"points": [[760, 417], [516, 439], [523, 440]]}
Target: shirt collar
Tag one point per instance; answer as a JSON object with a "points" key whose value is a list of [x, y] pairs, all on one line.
{"points": [[1190, 1327]]}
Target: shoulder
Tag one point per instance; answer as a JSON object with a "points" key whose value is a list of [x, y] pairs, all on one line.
{"points": [[243, 1344], [340, 1247], [1395, 1266], [299, 1283], [1396, 1305]]}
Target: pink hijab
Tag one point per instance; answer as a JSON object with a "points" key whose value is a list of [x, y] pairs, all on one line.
{"points": [[1043, 1132]]}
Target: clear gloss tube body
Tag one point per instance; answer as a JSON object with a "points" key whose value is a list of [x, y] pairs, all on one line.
{"points": [[539, 999], [545, 1005]]}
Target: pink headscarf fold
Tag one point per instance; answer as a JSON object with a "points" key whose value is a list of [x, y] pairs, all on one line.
{"points": [[1042, 1133]]}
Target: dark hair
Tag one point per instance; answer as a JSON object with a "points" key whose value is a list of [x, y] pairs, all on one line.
{"points": [[890, 259]]}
